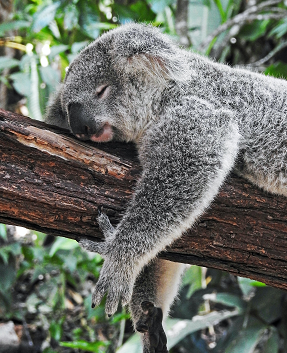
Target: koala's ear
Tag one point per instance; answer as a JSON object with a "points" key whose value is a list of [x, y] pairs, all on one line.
{"points": [[54, 113], [145, 48]]}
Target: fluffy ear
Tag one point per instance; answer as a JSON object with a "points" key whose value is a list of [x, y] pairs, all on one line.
{"points": [[145, 48], [54, 113]]}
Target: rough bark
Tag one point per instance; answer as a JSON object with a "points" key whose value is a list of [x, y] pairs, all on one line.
{"points": [[53, 183]]}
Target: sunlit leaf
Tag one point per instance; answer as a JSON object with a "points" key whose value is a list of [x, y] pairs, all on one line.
{"points": [[247, 285], [3, 231], [57, 49], [193, 278], [21, 83], [71, 17], [53, 26], [56, 329], [45, 16], [86, 346], [158, 6], [64, 244], [33, 97]]}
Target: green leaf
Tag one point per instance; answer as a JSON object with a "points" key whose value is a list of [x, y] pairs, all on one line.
{"points": [[8, 275], [57, 49], [247, 285], [193, 278], [50, 76], [76, 47], [28, 253], [158, 6], [8, 63], [248, 338], [33, 97], [87, 20], [15, 248], [3, 231], [272, 344], [278, 69], [32, 302], [53, 26], [62, 243], [120, 316], [227, 299], [71, 17], [267, 302], [44, 17], [132, 345], [177, 329], [56, 329], [254, 30], [86, 346], [4, 80], [12, 26], [21, 83], [279, 30]]}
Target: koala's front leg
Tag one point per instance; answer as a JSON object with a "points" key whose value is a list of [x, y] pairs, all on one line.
{"points": [[185, 161], [123, 272]]}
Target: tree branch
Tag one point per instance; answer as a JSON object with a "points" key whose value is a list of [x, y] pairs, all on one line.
{"points": [[54, 183], [250, 14]]}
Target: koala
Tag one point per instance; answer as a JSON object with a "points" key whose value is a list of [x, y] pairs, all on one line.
{"points": [[193, 121]]}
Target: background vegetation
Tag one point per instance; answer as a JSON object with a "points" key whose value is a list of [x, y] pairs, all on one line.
{"points": [[45, 287]]}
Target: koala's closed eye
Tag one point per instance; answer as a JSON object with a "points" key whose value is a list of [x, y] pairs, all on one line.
{"points": [[102, 91]]}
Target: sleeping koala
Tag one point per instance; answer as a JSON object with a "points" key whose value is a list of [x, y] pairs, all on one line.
{"points": [[190, 119]]}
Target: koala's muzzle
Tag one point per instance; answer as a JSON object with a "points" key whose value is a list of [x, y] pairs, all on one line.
{"points": [[85, 126]]}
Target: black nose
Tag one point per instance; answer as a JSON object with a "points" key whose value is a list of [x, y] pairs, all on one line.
{"points": [[80, 121]]}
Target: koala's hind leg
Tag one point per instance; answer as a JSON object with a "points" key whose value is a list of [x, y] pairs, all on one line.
{"points": [[153, 293]]}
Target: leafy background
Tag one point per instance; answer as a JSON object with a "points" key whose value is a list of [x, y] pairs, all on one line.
{"points": [[45, 284]]}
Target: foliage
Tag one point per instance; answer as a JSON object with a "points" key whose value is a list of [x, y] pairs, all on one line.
{"points": [[49, 287]]}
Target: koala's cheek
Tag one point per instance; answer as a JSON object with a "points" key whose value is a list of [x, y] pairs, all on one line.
{"points": [[104, 135]]}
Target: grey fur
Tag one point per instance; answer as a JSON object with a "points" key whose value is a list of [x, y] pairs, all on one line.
{"points": [[193, 120]]}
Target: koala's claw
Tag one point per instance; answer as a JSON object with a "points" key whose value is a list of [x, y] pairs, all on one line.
{"points": [[100, 209], [104, 223], [150, 324]]}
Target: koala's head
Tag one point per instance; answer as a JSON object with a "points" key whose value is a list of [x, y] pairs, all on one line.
{"points": [[110, 87]]}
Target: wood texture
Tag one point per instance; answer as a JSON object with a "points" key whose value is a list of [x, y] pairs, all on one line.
{"points": [[53, 183]]}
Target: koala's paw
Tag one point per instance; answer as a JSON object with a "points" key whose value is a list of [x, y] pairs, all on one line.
{"points": [[94, 246], [117, 280], [150, 324], [104, 223]]}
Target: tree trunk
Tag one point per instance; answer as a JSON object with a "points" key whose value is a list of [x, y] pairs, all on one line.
{"points": [[53, 183]]}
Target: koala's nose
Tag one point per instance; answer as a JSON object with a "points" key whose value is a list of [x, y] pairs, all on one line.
{"points": [[80, 122]]}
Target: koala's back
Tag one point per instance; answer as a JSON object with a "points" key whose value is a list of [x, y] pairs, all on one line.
{"points": [[259, 104]]}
